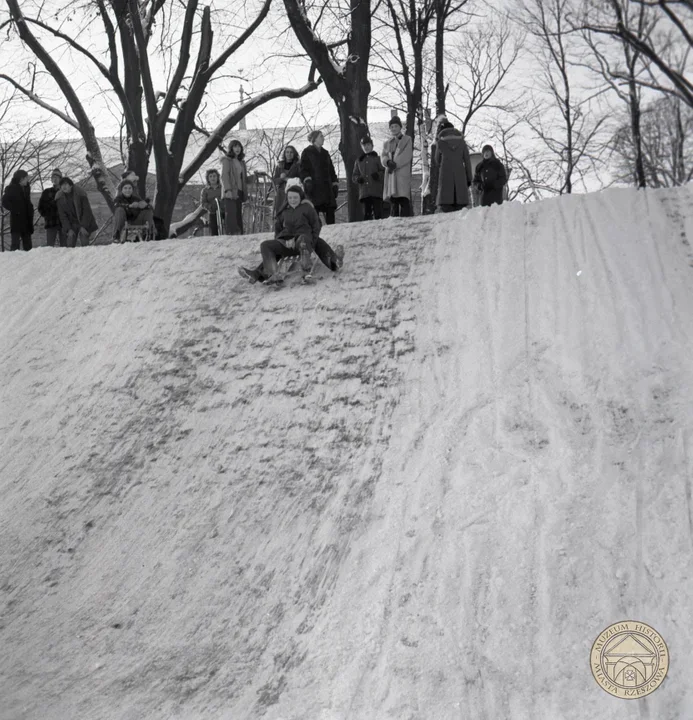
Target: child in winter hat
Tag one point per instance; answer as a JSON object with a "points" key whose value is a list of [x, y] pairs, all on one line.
{"points": [[295, 188], [293, 183], [394, 120]]}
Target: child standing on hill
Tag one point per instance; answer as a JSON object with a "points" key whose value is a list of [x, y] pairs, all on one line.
{"points": [[234, 181], [369, 173], [490, 177], [210, 195]]}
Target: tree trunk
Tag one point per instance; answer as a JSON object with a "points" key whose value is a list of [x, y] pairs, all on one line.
{"points": [[640, 177], [350, 150], [439, 58], [348, 87]]}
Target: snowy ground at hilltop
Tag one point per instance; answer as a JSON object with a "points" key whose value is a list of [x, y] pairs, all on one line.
{"points": [[417, 490]]}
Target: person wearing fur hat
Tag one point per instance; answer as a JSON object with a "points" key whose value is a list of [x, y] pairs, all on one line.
{"points": [[455, 169], [318, 176], [17, 199], [287, 168], [130, 208], [369, 173], [234, 181], [397, 157], [210, 195], [76, 216], [490, 177], [297, 233], [49, 212]]}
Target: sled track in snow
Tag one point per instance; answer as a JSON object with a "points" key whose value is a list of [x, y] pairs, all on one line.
{"points": [[417, 490]]}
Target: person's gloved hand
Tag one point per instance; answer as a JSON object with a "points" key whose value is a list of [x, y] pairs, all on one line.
{"points": [[360, 179], [391, 165], [308, 185], [375, 175], [335, 187]]}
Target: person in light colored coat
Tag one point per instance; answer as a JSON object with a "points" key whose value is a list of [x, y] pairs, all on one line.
{"points": [[455, 170], [397, 156], [234, 182]]}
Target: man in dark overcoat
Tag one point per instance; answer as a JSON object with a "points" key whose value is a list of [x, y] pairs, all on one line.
{"points": [[318, 176]]}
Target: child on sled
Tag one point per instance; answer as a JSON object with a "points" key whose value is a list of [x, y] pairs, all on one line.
{"points": [[297, 234]]}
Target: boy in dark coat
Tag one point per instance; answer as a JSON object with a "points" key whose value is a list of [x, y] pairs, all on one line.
{"points": [[17, 199], [130, 208], [368, 173], [48, 209], [318, 176], [490, 177], [455, 169], [76, 217], [297, 233]]}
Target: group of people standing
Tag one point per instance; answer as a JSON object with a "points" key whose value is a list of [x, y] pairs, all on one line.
{"points": [[383, 177], [64, 206]]}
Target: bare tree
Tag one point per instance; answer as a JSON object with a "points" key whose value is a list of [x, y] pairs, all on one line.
{"points": [[342, 62], [667, 50], [136, 33], [480, 61], [666, 144], [403, 56], [571, 143], [621, 73], [445, 10]]}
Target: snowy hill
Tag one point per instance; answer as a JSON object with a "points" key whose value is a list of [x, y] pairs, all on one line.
{"points": [[418, 490]]}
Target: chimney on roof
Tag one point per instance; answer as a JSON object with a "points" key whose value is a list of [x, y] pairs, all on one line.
{"points": [[241, 124], [393, 112]]}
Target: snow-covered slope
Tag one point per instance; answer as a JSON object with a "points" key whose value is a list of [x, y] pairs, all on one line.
{"points": [[418, 490]]}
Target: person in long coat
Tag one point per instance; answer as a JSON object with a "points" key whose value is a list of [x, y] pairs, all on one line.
{"points": [[490, 177], [369, 173], [397, 155], [234, 181], [288, 167], [318, 176], [74, 210], [434, 169], [17, 199], [455, 170]]}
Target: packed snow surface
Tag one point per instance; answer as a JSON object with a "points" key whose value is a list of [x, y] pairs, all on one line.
{"points": [[417, 490]]}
